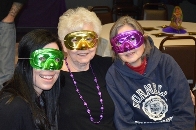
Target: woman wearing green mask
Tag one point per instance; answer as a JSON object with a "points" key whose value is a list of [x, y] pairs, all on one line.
{"points": [[28, 101]]}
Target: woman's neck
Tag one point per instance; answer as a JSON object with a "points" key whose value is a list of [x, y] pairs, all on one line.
{"points": [[75, 66]]}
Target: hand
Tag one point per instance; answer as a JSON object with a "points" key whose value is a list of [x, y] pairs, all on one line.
{"points": [[8, 19], [193, 97], [12, 13]]}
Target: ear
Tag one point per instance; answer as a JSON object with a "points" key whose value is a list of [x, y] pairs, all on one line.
{"points": [[64, 48], [144, 45]]}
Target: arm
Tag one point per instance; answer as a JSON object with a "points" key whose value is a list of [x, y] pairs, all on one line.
{"points": [[8, 40], [13, 12], [123, 113], [192, 97], [179, 94]]}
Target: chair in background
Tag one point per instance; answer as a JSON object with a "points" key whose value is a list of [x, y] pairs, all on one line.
{"points": [[104, 13], [125, 7], [185, 56], [155, 11]]}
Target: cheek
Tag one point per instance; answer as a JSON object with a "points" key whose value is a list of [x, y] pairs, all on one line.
{"points": [[35, 73], [141, 49], [57, 72], [121, 54], [71, 52], [36, 77], [93, 49]]}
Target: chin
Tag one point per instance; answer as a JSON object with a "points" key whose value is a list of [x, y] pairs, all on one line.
{"points": [[84, 59], [47, 88]]}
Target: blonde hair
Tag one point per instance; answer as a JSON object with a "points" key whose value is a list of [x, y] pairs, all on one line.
{"points": [[74, 20], [127, 20]]}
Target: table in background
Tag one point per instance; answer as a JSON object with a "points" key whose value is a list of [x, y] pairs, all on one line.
{"points": [[104, 46]]}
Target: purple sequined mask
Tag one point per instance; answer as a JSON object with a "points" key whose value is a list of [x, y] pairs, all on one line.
{"points": [[127, 41]]}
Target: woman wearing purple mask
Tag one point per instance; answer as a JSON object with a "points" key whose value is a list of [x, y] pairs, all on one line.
{"points": [[149, 89]]}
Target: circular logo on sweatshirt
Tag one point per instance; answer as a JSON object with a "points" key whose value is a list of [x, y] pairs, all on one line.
{"points": [[155, 107]]}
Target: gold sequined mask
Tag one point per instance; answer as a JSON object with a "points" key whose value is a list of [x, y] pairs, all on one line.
{"points": [[81, 40]]}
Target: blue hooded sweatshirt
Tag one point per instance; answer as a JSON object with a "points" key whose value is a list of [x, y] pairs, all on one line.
{"points": [[157, 100]]}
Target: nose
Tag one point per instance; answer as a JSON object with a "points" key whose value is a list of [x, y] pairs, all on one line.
{"points": [[127, 46], [50, 65], [83, 44]]}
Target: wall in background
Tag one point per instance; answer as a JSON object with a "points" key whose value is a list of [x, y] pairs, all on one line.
{"points": [[40, 13], [187, 8], [86, 3], [189, 11]]}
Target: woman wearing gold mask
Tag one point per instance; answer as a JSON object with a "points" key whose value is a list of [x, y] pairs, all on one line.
{"points": [[84, 101]]}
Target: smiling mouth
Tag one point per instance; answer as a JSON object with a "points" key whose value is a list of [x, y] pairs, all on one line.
{"points": [[83, 54], [48, 77], [130, 53]]}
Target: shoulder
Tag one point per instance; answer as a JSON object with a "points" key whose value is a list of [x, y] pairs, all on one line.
{"points": [[17, 114], [101, 64], [102, 61], [157, 57], [168, 65], [114, 70], [168, 59], [16, 106]]}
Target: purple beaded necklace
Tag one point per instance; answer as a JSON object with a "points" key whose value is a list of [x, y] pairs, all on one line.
{"points": [[81, 97]]}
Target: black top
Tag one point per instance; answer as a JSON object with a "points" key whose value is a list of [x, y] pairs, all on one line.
{"points": [[72, 114], [5, 6], [16, 115]]}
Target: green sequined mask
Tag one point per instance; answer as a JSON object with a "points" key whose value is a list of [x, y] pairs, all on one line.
{"points": [[47, 59]]}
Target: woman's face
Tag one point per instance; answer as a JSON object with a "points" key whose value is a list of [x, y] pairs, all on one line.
{"points": [[133, 57], [45, 79], [82, 57]]}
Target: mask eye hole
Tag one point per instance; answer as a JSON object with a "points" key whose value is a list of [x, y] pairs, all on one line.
{"points": [[57, 59], [89, 39], [118, 44], [74, 39], [132, 39], [42, 59]]}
